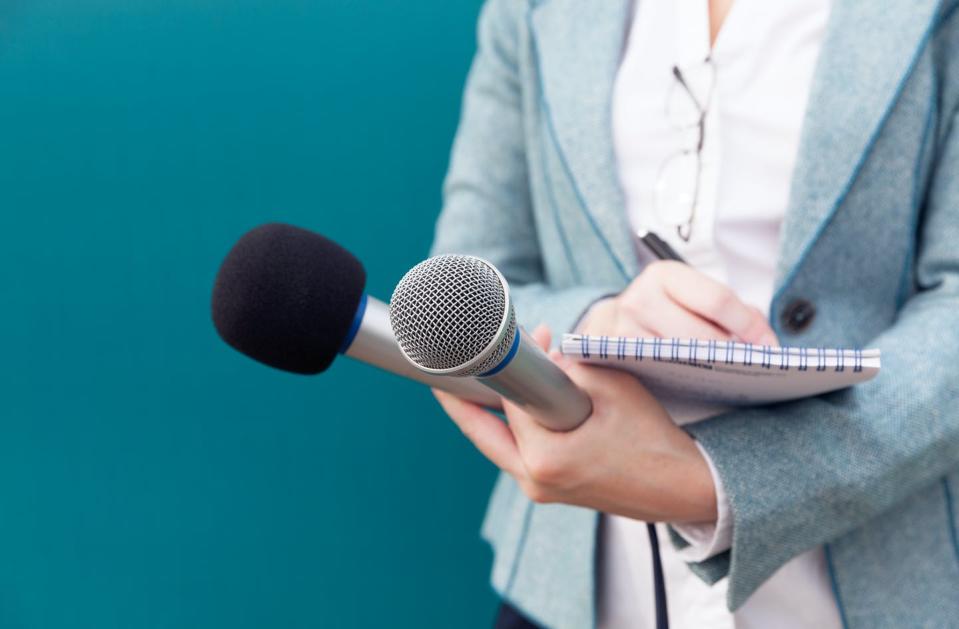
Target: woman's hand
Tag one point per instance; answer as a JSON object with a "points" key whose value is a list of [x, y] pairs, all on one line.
{"points": [[627, 458], [672, 299]]}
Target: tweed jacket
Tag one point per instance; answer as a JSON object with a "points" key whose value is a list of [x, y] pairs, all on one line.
{"points": [[870, 241]]}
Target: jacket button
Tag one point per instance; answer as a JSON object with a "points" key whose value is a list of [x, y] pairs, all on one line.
{"points": [[798, 315]]}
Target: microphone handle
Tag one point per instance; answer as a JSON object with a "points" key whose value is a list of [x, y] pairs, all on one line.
{"points": [[534, 382], [375, 344]]}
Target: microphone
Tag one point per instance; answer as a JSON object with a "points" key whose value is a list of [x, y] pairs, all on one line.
{"points": [[452, 316], [293, 299]]}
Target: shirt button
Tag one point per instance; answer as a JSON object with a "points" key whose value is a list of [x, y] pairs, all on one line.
{"points": [[798, 315]]}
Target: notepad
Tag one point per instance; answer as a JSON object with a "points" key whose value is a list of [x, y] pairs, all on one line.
{"points": [[726, 373]]}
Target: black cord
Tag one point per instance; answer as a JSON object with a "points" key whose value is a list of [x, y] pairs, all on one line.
{"points": [[659, 583], [509, 618]]}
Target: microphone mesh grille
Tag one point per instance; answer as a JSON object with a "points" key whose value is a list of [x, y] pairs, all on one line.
{"points": [[447, 310]]}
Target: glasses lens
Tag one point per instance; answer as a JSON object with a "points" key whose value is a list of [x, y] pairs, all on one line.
{"points": [[675, 193]]}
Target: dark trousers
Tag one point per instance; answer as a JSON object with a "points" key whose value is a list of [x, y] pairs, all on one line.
{"points": [[508, 618]]}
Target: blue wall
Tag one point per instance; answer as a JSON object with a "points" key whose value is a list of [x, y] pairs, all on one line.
{"points": [[149, 476]]}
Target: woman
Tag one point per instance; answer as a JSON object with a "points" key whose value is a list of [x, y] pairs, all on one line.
{"points": [[802, 157]]}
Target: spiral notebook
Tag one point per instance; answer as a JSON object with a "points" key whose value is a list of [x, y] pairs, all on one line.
{"points": [[726, 373]]}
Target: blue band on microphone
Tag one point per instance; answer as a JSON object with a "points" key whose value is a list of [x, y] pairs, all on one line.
{"points": [[355, 326], [509, 356]]}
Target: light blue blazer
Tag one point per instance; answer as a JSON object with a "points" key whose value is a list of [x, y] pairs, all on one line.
{"points": [[871, 240]]}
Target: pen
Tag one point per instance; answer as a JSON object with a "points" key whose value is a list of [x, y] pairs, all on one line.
{"points": [[656, 246]]}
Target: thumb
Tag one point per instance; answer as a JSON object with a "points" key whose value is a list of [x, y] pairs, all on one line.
{"points": [[542, 336]]}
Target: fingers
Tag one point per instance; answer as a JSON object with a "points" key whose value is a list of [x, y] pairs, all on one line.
{"points": [[763, 332], [601, 382], [712, 301], [542, 335], [523, 426], [600, 317], [670, 319], [490, 435]]}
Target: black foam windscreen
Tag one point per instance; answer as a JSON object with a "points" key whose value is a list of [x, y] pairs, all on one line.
{"points": [[287, 297]]}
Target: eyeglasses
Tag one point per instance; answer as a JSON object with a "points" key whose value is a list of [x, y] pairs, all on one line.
{"points": [[678, 181]]}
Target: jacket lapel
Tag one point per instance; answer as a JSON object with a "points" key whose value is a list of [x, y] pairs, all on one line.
{"points": [[867, 56], [578, 45]]}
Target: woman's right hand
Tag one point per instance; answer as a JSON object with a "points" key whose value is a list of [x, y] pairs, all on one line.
{"points": [[673, 300]]}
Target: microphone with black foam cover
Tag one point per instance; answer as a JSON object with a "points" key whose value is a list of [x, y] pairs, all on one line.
{"points": [[452, 317], [294, 300]]}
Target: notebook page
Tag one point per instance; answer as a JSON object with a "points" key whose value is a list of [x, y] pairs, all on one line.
{"points": [[713, 374]]}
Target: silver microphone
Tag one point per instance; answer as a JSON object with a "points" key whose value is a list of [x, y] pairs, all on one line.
{"points": [[452, 316], [373, 343]]}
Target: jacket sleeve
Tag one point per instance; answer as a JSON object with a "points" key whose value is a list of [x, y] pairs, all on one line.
{"points": [[821, 467], [487, 206]]}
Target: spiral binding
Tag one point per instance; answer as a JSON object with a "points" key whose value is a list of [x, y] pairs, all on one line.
{"points": [[700, 352]]}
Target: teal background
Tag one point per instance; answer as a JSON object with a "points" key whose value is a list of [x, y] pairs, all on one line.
{"points": [[149, 475]]}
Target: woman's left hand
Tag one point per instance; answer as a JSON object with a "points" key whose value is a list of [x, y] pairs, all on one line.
{"points": [[628, 458]]}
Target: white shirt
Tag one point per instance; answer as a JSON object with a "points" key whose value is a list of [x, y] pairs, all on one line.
{"points": [[764, 57]]}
